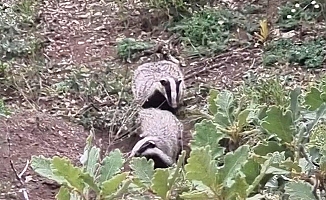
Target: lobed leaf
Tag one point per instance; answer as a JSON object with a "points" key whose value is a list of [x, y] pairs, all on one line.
{"points": [[143, 169], [263, 149], [63, 194], [111, 186], [211, 101], [160, 183], [42, 166], [237, 190], [299, 191], [313, 99], [196, 195], [63, 167], [111, 165], [201, 166], [206, 133], [232, 165], [278, 123]]}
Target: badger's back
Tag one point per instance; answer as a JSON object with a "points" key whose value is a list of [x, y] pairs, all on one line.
{"points": [[146, 80], [163, 125]]}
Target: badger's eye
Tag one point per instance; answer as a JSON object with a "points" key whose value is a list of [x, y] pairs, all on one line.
{"points": [[163, 82]]}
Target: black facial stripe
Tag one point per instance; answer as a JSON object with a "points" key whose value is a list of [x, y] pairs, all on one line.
{"points": [[177, 84], [168, 92], [145, 146]]}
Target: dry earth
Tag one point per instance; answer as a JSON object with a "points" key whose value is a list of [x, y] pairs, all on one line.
{"points": [[85, 33]]}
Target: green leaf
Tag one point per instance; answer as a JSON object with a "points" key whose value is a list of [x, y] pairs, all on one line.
{"points": [[313, 98], [89, 180], [111, 186], [42, 166], [160, 183], [93, 161], [242, 118], [211, 101], [63, 167], [206, 133], [263, 172], [322, 163], [63, 194], [299, 191], [111, 165], [294, 103], [251, 170], [143, 169], [232, 165], [196, 195], [263, 149], [225, 107], [238, 189], [178, 169], [201, 166], [278, 123]]}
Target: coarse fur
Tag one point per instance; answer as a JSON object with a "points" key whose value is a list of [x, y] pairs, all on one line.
{"points": [[159, 85], [161, 134]]}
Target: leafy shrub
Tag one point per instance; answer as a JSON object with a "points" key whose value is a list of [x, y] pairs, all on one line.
{"points": [[207, 31], [269, 91], [129, 47], [310, 54], [269, 153], [176, 8], [4, 111], [294, 12], [16, 39]]}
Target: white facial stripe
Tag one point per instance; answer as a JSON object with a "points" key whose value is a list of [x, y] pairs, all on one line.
{"points": [[173, 87]]}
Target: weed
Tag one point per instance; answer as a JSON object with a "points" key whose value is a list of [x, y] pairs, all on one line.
{"points": [[269, 91], [310, 54], [4, 111], [129, 47], [293, 13], [15, 29], [207, 31]]}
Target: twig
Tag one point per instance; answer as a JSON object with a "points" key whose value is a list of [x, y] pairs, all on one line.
{"points": [[18, 176]]}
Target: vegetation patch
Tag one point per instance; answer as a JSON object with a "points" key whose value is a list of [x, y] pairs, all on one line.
{"points": [[207, 32], [294, 13], [129, 48], [267, 151], [309, 54], [16, 29]]}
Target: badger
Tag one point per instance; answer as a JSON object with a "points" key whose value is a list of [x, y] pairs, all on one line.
{"points": [[159, 85], [161, 137]]}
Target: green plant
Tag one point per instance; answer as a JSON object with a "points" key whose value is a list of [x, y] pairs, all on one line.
{"points": [[268, 91], [15, 30], [129, 47], [4, 111], [269, 153], [207, 31], [294, 12], [310, 54]]}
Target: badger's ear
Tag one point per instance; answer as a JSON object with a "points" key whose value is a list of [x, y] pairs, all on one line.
{"points": [[179, 81], [163, 82]]}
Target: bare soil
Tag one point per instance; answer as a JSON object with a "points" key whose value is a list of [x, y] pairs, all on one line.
{"points": [[85, 33], [29, 133]]}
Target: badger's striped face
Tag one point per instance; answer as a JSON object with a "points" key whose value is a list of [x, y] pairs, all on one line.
{"points": [[172, 90]]}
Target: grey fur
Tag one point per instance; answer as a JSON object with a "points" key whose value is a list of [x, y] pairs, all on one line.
{"points": [[147, 79], [163, 130]]}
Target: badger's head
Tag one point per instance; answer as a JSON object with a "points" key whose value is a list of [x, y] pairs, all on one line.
{"points": [[147, 147], [172, 89]]}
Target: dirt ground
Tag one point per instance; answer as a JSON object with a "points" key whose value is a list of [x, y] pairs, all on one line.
{"points": [[74, 38]]}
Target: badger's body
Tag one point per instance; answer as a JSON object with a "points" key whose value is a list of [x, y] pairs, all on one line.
{"points": [[161, 134], [158, 85]]}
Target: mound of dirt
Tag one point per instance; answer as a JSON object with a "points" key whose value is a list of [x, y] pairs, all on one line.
{"points": [[30, 133]]}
